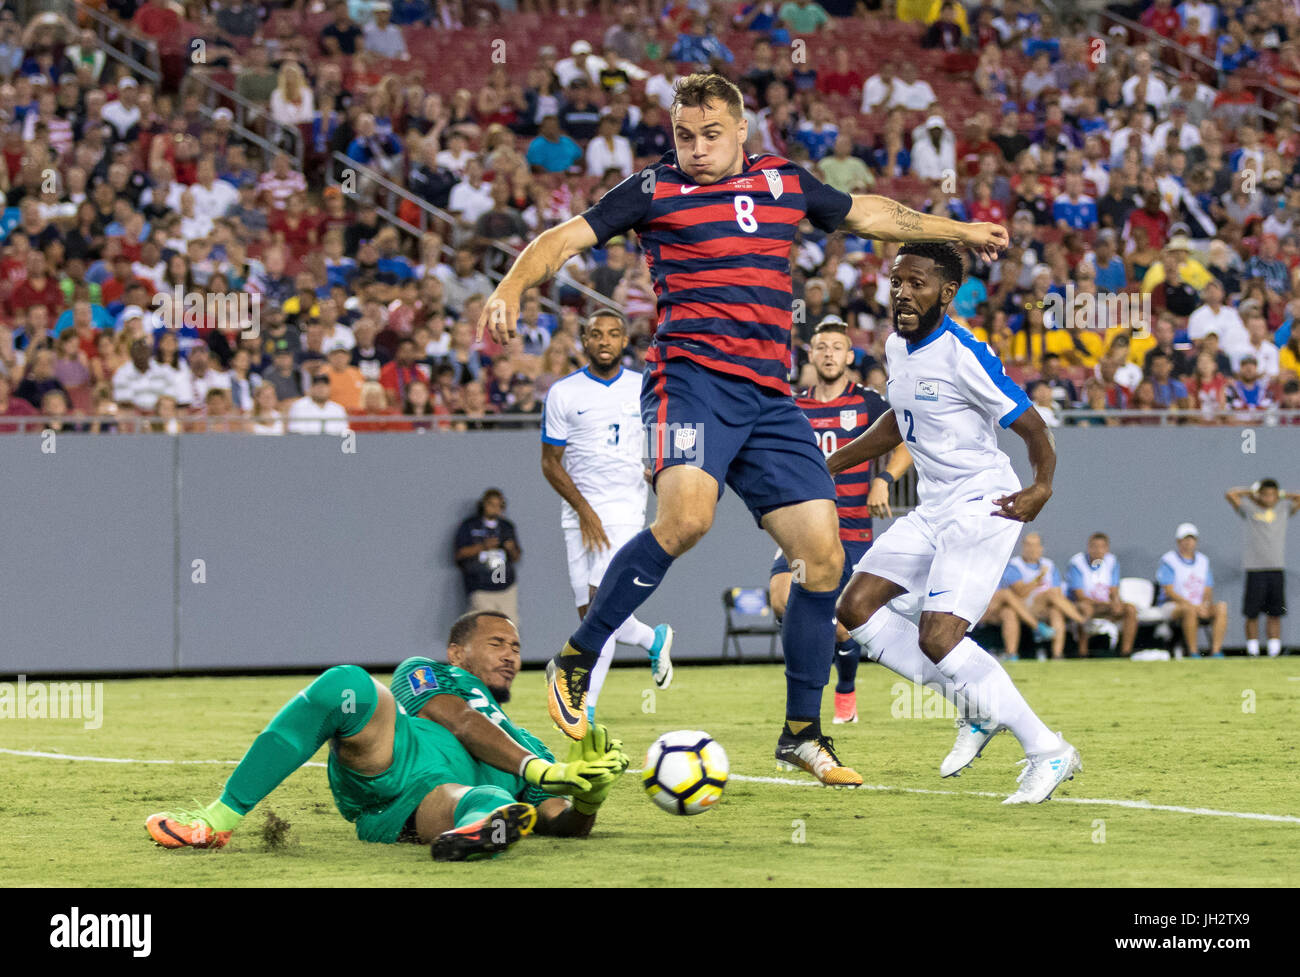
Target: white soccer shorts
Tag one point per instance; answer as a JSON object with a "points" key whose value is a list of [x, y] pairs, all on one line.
{"points": [[587, 568], [949, 561]]}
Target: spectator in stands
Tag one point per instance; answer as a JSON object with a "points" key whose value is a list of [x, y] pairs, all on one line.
{"points": [[627, 37], [609, 150], [934, 149], [345, 379], [1208, 388], [1040, 395], [405, 369], [844, 171], [912, 93], [292, 102], [1186, 585], [256, 79], [1169, 391], [383, 38], [552, 151], [266, 416], [1259, 344], [1249, 392], [803, 17], [13, 406], [316, 413], [1216, 317], [486, 550]]}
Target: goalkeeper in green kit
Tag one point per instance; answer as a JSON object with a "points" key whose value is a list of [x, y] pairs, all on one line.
{"points": [[433, 761]]}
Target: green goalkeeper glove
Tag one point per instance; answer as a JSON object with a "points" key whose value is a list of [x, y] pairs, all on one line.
{"points": [[598, 748], [571, 777]]}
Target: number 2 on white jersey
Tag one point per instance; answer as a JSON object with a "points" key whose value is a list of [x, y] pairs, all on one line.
{"points": [[745, 213]]}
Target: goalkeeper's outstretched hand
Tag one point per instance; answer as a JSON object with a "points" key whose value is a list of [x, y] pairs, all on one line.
{"points": [[598, 748], [574, 776]]}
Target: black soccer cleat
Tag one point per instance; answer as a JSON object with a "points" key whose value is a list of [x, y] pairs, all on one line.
{"points": [[487, 837]]}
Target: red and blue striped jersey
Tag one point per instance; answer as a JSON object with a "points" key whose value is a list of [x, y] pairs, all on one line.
{"points": [[836, 423], [720, 258]]}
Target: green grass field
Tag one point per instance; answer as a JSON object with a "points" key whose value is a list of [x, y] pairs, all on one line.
{"points": [[1217, 735]]}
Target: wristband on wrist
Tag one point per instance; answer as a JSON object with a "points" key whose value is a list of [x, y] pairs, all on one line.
{"points": [[523, 764], [887, 477]]}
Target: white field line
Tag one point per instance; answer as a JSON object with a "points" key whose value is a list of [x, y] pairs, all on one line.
{"points": [[781, 781]]}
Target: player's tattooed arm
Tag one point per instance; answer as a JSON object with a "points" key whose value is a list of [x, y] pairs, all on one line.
{"points": [[1024, 506], [875, 441], [874, 216], [537, 263]]}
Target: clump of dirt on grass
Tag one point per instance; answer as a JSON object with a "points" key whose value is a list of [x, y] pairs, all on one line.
{"points": [[275, 832]]}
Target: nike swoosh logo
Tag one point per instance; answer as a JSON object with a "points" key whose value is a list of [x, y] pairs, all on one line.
{"points": [[637, 581], [567, 716], [686, 189], [584, 411], [936, 593]]}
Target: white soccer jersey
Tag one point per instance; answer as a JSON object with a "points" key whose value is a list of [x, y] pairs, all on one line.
{"points": [[1092, 580], [1189, 580], [599, 424], [949, 393]]}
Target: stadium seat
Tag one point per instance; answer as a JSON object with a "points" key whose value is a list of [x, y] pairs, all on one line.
{"points": [[749, 614], [1154, 620]]}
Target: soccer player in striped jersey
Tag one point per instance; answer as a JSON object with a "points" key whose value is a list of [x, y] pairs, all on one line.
{"points": [[592, 445], [948, 394], [839, 411], [717, 228]]}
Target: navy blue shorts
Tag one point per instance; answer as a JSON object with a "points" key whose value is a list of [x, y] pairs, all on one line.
{"points": [[853, 552], [755, 440]]}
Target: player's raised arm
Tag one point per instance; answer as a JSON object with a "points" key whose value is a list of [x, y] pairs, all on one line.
{"points": [[879, 217], [1024, 505], [538, 263], [875, 441]]}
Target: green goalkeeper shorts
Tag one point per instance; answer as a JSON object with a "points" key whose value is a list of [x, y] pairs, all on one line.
{"points": [[425, 756]]}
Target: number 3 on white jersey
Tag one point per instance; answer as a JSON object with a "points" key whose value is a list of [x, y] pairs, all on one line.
{"points": [[745, 213]]}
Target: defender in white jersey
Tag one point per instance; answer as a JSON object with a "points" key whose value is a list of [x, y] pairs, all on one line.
{"points": [[948, 394], [592, 445]]}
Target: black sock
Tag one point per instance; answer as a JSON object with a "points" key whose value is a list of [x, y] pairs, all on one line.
{"points": [[847, 655], [803, 729]]}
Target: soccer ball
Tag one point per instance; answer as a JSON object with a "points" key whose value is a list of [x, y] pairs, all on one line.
{"points": [[685, 772]]}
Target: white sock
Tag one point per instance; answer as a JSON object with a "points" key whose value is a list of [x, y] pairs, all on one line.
{"points": [[981, 680], [1252, 646], [634, 632], [893, 641], [599, 672], [1274, 647]]}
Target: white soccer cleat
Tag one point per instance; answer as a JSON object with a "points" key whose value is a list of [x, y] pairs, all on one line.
{"points": [[661, 661], [1044, 772], [972, 737]]}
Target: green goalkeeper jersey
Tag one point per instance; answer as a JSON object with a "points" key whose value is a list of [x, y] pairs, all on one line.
{"points": [[417, 680]]}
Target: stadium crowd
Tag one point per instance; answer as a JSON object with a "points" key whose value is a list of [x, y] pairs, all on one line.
{"points": [[1130, 173]]}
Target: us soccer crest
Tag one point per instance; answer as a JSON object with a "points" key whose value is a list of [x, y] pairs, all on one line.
{"points": [[774, 182], [848, 419], [684, 438]]}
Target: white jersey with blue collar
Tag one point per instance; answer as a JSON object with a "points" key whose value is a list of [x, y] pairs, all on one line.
{"points": [[949, 393], [599, 424]]}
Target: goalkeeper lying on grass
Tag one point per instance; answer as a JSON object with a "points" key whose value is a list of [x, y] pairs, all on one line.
{"points": [[434, 761]]}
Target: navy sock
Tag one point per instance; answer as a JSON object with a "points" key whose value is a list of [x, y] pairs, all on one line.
{"points": [[808, 635], [634, 573], [847, 655]]}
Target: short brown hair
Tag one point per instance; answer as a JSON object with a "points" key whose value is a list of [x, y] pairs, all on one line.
{"points": [[697, 90]]}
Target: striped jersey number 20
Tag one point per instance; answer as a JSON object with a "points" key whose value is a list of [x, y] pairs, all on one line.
{"points": [[745, 213], [828, 441]]}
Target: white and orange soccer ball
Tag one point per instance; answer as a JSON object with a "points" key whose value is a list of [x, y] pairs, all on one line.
{"points": [[685, 772]]}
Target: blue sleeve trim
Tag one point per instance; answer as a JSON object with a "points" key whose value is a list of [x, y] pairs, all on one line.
{"points": [[1012, 415], [993, 367], [555, 441]]}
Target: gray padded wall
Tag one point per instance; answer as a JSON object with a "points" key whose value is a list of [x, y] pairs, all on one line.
{"points": [[314, 557]]}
